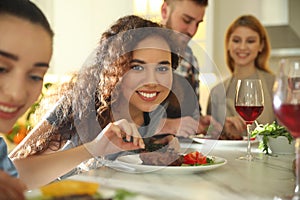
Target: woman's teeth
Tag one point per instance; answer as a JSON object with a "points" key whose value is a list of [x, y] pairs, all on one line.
{"points": [[8, 109], [148, 95], [242, 54]]}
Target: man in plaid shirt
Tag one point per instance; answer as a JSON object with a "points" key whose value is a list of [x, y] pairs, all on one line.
{"points": [[184, 16], [189, 69]]}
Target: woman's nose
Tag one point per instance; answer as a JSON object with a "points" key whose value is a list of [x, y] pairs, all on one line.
{"points": [[243, 45], [15, 91], [150, 77]]}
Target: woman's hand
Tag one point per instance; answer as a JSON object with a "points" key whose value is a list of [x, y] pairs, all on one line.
{"points": [[116, 137], [184, 126], [173, 143], [10, 187], [234, 128], [169, 140]]}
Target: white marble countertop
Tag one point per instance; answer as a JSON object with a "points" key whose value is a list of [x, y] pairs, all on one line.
{"points": [[237, 180]]}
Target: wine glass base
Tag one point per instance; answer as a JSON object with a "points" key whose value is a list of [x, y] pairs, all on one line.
{"points": [[247, 157]]}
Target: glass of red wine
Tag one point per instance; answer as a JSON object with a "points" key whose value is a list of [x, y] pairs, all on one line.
{"points": [[286, 105], [249, 104]]}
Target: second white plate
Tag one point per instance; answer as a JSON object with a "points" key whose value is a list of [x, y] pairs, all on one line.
{"points": [[134, 163], [225, 142]]}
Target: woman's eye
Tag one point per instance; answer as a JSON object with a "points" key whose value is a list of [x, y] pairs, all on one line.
{"points": [[163, 68], [137, 67], [251, 41], [36, 78], [2, 69], [235, 40]]}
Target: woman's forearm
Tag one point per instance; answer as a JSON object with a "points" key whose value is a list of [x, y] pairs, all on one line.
{"points": [[38, 170]]}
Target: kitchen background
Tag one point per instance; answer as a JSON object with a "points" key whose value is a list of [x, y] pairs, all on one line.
{"points": [[78, 25]]}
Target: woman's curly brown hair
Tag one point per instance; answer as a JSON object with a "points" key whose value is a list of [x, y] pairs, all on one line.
{"points": [[95, 86]]}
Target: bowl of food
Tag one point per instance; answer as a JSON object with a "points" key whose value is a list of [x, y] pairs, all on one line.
{"points": [[281, 145], [274, 137]]}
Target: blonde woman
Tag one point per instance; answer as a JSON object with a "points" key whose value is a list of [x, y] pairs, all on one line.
{"points": [[247, 48]]}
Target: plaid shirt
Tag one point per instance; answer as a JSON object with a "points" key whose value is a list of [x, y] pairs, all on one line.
{"points": [[189, 69]]}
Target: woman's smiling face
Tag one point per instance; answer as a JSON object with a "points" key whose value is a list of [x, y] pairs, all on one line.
{"points": [[149, 80], [25, 52], [244, 46]]}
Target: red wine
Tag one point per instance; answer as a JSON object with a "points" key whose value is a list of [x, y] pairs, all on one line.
{"points": [[249, 113], [289, 115]]}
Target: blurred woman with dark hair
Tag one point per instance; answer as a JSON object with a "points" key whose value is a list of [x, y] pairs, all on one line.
{"points": [[25, 53]]}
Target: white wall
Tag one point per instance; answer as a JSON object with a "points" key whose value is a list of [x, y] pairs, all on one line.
{"points": [[78, 25]]}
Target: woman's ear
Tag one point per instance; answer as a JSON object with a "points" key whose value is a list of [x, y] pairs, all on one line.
{"points": [[262, 45]]}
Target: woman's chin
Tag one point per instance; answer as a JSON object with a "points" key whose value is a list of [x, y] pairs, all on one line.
{"points": [[5, 127], [150, 108]]}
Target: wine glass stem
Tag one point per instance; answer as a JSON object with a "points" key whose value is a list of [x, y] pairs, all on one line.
{"points": [[248, 141], [297, 151]]}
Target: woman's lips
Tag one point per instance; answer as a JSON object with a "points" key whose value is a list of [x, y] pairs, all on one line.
{"points": [[8, 112], [242, 55], [147, 96]]}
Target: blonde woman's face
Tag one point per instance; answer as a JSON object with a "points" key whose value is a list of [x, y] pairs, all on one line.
{"points": [[25, 51], [147, 84], [244, 46]]}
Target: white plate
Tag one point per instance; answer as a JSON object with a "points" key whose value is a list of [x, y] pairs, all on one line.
{"points": [[225, 142], [134, 163]]}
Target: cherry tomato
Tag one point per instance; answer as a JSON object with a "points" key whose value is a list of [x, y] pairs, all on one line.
{"points": [[195, 158]]}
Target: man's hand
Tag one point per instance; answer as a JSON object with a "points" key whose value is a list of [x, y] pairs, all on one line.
{"points": [[184, 126], [187, 126], [209, 126]]}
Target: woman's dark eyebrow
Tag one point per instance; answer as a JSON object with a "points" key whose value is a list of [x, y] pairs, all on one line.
{"points": [[16, 58], [165, 62], [143, 62], [9, 55], [41, 64], [137, 61]]}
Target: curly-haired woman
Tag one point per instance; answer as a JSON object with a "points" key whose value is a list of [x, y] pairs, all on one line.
{"points": [[115, 99]]}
